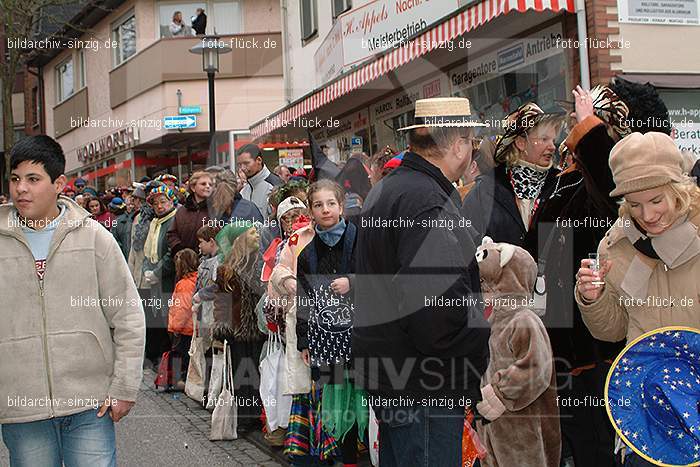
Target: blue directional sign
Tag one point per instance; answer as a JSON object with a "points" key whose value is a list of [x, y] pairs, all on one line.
{"points": [[189, 110], [179, 122]]}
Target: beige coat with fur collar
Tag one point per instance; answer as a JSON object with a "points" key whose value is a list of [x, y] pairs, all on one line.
{"points": [[642, 294]]}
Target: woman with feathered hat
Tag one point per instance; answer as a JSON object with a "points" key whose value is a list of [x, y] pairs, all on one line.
{"points": [[505, 203]]}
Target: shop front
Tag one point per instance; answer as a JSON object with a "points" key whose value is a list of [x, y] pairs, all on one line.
{"points": [[397, 110], [532, 69], [525, 62], [341, 140]]}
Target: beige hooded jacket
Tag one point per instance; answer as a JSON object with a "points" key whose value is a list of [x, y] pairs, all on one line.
{"points": [[69, 343], [642, 294]]}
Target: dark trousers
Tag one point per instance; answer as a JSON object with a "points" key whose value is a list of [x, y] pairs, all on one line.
{"points": [[633, 460], [420, 436], [586, 430], [180, 356]]}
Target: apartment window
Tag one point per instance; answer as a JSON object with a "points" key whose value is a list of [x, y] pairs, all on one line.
{"points": [[226, 17], [64, 80], [166, 10], [309, 21], [223, 16], [124, 33], [340, 7], [81, 72]]}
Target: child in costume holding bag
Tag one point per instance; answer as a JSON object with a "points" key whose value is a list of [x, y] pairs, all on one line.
{"points": [[324, 324]]}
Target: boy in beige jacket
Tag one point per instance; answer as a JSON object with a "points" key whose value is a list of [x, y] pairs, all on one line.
{"points": [[73, 330]]}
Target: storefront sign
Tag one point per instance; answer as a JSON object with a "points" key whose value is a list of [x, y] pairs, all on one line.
{"points": [[672, 12], [292, 158], [374, 27], [329, 56], [404, 100], [531, 49], [684, 111], [114, 142]]}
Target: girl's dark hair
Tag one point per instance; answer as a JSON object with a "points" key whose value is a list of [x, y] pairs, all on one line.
{"points": [[329, 185], [103, 206], [186, 261], [207, 232], [39, 149]]}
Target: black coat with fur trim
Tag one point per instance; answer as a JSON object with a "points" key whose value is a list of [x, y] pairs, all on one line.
{"points": [[492, 208], [577, 215]]}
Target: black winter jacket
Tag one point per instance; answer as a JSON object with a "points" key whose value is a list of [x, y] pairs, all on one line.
{"points": [[577, 216], [405, 343], [491, 207]]}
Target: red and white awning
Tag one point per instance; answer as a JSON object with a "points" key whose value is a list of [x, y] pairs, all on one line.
{"points": [[467, 20]]}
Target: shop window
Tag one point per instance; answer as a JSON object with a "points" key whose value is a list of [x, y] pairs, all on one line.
{"points": [[340, 7], [309, 20], [64, 80], [124, 33]]}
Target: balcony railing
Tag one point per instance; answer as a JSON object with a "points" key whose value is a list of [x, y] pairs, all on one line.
{"points": [[169, 59]]}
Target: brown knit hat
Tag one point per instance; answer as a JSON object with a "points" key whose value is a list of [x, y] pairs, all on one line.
{"points": [[644, 161]]}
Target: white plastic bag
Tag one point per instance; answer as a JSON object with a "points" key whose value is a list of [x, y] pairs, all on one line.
{"points": [[215, 380], [277, 405], [224, 419], [373, 430], [194, 386]]}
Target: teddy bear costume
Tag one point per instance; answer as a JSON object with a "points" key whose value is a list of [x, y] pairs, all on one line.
{"points": [[518, 388]]}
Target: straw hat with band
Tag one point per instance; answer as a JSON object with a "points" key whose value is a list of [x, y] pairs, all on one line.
{"points": [[642, 162], [450, 112], [519, 122], [652, 396]]}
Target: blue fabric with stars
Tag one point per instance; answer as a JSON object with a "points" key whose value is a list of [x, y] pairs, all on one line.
{"points": [[654, 396]]}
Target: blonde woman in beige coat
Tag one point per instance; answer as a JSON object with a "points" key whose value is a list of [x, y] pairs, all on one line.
{"points": [[650, 258]]}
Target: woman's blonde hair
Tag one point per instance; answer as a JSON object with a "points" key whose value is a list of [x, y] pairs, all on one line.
{"points": [[511, 155], [195, 178], [682, 195], [240, 262]]}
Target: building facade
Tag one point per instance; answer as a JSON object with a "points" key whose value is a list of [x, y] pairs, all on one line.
{"points": [[109, 91], [373, 59]]}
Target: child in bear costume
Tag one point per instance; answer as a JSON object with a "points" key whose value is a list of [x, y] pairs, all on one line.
{"points": [[518, 388]]}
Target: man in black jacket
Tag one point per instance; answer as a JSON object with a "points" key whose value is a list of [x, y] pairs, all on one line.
{"points": [[420, 341], [199, 23]]}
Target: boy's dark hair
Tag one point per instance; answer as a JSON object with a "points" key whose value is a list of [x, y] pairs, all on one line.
{"points": [[251, 149], [207, 232], [647, 110], [39, 149]]}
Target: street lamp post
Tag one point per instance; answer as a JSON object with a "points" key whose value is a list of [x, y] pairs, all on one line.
{"points": [[209, 48]]}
